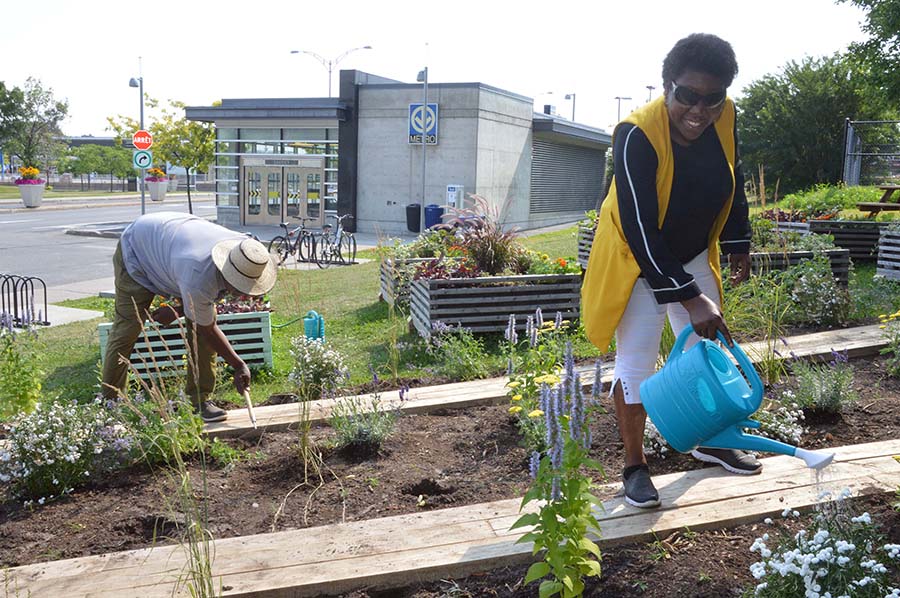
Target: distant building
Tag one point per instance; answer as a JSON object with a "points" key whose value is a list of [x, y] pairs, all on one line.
{"points": [[361, 154]]}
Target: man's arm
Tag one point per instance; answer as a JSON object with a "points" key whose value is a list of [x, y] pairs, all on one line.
{"points": [[213, 335]]}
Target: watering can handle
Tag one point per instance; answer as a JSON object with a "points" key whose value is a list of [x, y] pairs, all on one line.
{"points": [[750, 374]]}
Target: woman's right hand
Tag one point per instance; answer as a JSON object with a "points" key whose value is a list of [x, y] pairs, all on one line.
{"points": [[706, 318]]}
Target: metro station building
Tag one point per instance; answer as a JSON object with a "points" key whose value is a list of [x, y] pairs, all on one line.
{"points": [[361, 154]]}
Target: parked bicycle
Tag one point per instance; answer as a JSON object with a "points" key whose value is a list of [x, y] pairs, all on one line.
{"points": [[336, 246], [300, 241]]}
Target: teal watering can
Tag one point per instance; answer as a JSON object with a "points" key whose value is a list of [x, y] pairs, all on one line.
{"points": [[313, 325], [699, 398]]}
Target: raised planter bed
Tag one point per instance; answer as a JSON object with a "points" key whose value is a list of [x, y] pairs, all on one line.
{"points": [[775, 260], [859, 236], [889, 255], [164, 349], [394, 286], [792, 227], [484, 304], [585, 241]]}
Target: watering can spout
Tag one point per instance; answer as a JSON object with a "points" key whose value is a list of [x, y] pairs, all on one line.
{"points": [[734, 438]]}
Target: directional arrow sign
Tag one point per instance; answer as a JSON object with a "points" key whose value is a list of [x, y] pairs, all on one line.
{"points": [[142, 159]]}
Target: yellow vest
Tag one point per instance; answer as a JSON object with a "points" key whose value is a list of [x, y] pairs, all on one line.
{"points": [[612, 269]]}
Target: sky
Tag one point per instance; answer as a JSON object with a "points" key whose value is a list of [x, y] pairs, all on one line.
{"points": [[199, 51]]}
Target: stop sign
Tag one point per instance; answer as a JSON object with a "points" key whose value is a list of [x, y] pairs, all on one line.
{"points": [[142, 140]]}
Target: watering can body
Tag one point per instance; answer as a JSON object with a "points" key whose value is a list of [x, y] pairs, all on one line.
{"points": [[313, 325], [700, 398]]}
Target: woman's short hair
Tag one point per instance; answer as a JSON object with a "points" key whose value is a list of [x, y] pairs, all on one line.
{"points": [[702, 52]]}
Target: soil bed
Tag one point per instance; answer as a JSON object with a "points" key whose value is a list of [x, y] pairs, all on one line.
{"points": [[443, 459]]}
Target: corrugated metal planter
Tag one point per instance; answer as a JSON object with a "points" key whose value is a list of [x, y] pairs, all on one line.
{"points": [[249, 333], [484, 304], [859, 236], [585, 242], [889, 254]]}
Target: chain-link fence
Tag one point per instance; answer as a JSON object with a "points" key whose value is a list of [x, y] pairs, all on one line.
{"points": [[871, 152]]}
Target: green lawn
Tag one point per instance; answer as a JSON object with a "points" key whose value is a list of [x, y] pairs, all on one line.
{"points": [[360, 326], [12, 192]]}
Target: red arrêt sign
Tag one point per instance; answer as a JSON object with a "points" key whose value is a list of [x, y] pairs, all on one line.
{"points": [[142, 140]]}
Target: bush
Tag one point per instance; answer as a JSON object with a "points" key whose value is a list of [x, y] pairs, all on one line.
{"points": [[825, 387], [58, 447], [780, 420], [825, 200], [457, 353], [844, 556], [20, 372], [319, 369], [362, 428], [817, 297], [163, 426]]}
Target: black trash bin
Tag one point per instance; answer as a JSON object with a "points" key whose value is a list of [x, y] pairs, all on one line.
{"points": [[413, 216], [433, 213]]}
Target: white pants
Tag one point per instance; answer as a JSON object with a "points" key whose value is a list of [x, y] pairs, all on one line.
{"points": [[639, 331]]}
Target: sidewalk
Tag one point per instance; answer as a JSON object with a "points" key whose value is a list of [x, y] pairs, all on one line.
{"points": [[14, 205]]}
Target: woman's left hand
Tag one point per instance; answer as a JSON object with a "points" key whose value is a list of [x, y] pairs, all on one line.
{"points": [[740, 267]]}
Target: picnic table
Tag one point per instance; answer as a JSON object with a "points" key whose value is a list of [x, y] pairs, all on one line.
{"points": [[885, 203]]}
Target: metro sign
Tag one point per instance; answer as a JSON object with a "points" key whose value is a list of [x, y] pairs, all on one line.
{"points": [[142, 140]]}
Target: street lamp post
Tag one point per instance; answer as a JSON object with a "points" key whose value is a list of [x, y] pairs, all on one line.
{"points": [[330, 64], [423, 78], [139, 83], [650, 89], [619, 112]]}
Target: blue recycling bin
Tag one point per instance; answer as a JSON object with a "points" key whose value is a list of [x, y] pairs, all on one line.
{"points": [[433, 214]]}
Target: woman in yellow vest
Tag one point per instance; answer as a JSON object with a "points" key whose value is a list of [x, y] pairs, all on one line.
{"points": [[677, 196]]}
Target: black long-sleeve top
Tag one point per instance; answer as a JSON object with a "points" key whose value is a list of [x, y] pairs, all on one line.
{"points": [[700, 187]]}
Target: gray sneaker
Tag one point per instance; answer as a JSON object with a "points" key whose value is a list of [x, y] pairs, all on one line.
{"points": [[210, 413], [639, 489], [733, 460]]}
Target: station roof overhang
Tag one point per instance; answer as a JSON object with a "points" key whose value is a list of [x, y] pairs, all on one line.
{"points": [[271, 109], [560, 130]]}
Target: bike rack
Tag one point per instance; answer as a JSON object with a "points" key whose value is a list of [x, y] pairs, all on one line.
{"points": [[17, 299]]}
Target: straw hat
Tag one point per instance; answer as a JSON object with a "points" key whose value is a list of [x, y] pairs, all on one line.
{"points": [[246, 265]]}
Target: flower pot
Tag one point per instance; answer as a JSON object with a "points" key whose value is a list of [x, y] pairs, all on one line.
{"points": [[173, 185], [32, 195], [158, 189]]}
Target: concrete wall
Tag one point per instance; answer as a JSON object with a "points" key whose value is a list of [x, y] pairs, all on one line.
{"points": [[503, 173], [484, 144]]}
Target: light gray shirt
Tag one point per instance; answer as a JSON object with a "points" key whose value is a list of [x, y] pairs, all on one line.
{"points": [[170, 254]]}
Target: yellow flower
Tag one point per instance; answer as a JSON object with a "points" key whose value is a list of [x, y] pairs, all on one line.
{"points": [[882, 327], [517, 397], [515, 408], [548, 324], [549, 379], [513, 384], [536, 413], [545, 257]]}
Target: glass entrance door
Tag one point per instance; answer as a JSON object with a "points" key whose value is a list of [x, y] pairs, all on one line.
{"points": [[263, 196]]}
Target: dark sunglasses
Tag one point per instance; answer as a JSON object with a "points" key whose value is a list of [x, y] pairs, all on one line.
{"points": [[688, 97]]}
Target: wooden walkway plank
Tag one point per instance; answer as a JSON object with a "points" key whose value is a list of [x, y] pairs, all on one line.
{"points": [[858, 341], [459, 540]]}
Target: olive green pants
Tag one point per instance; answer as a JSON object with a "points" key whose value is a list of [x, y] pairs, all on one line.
{"points": [[132, 304]]}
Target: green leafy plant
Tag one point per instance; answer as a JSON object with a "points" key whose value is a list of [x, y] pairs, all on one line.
{"points": [[780, 419], [318, 370], [817, 297], [840, 555], [890, 326], [563, 487], [456, 352], [824, 387], [161, 422], [533, 362], [361, 425], [480, 230], [542, 264], [20, 372]]}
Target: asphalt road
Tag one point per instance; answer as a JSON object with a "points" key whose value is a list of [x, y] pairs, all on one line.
{"points": [[34, 243]]}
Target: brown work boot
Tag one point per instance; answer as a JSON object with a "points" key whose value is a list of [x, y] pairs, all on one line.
{"points": [[210, 413]]}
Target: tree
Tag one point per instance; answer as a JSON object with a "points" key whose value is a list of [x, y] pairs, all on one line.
{"points": [[117, 162], [34, 131], [176, 140], [793, 123], [881, 52], [11, 102], [84, 160]]}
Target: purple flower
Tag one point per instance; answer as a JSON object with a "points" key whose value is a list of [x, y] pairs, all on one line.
{"points": [[511, 335], [538, 317], [534, 464], [404, 392], [559, 320], [598, 385]]}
